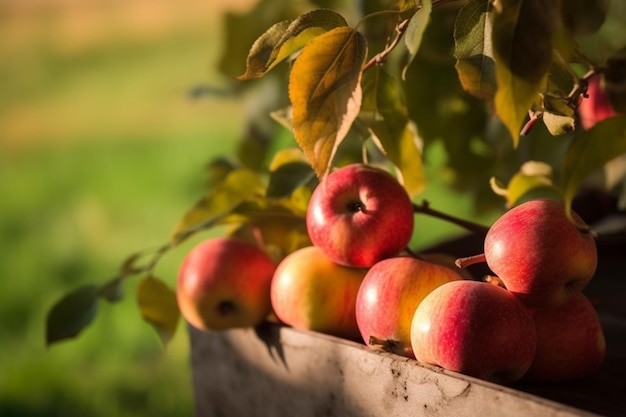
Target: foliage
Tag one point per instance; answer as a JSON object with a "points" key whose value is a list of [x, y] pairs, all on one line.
{"points": [[481, 76]]}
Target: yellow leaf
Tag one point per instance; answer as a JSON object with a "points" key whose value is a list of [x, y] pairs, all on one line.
{"points": [[285, 38], [522, 40], [239, 185], [324, 89], [158, 306]]}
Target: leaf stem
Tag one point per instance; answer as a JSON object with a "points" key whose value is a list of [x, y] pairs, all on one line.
{"points": [[382, 55], [425, 208]]}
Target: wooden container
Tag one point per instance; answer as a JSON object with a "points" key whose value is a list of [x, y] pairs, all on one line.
{"points": [[274, 370]]}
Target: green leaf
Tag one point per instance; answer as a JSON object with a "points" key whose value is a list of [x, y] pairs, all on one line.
{"points": [[325, 91], [285, 179], [158, 306], [558, 124], [473, 50], [522, 43], [285, 38], [589, 151], [238, 186], [385, 113], [533, 177], [70, 315], [415, 31]]}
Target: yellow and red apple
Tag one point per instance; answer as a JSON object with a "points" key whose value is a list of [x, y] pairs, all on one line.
{"points": [[225, 283], [311, 292], [389, 294]]}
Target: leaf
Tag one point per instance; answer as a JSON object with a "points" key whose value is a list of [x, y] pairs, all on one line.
{"points": [[522, 44], [285, 179], [473, 50], [70, 315], [415, 32], [589, 151], [533, 177], [558, 124], [324, 89], [238, 186], [158, 306], [285, 38], [385, 113]]}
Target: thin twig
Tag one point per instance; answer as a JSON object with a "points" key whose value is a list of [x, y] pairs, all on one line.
{"points": [[382, 55], [424, 208]]}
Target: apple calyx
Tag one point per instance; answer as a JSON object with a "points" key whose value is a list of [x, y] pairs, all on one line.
{"points": [[389, 345], [226, 308]]}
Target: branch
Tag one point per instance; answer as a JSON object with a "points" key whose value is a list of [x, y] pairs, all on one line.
{"points": [[382, 55]]}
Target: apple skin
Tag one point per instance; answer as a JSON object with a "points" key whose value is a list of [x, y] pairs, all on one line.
{"points": [[389, 294], [570, 342], [225, 283], [310, 292], [359, 215], [539, 254], [596, 107], [475, 328]]}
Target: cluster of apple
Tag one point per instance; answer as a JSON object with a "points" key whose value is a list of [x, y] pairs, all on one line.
{"points": [[358, 281]]}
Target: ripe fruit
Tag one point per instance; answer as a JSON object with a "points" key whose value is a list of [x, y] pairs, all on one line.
{"points": [[311, 292], [225, 283], [359, 215], [475, 328], [570, 342], [596, 107], [389, 294], [539, 254]]}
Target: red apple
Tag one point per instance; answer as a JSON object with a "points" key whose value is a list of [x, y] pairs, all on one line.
{"points": [[225, 283], [570, 342], [359, 215], [389, 294], [539, 254], [474, 328], [596, 107], [311, 292]]}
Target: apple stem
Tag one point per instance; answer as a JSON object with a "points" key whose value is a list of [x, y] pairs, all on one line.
{"points": [[470, 260], [425, 208]]}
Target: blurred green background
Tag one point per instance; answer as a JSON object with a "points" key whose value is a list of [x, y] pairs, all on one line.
{"points": [[102, 149]]}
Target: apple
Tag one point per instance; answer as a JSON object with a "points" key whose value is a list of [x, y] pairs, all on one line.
{"points": [[311, 292], [389, 294], [474, 328], [570, 342], [539, 254], [359, 215], [225, 283], [596, 106]]}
